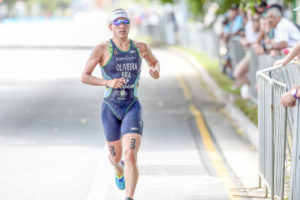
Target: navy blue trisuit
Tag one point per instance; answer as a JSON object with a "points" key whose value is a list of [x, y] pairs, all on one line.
{"points": [[121, 109]]}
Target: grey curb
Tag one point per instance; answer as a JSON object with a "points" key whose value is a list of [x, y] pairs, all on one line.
{"points": [[244, 124]]}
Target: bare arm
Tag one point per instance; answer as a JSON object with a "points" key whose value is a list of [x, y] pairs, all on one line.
{"points": [[287, 98], [260, 36], [151, 60], [92, 62], [295, 52], [279, 45]]}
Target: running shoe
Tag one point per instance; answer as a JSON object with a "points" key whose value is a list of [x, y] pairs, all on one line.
{"points": [[120, 181]]}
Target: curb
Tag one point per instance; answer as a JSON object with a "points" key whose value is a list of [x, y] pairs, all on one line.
{"points": [[244, 124]]}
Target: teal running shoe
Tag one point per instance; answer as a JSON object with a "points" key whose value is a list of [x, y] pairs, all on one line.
{"points": [[120, 181]]}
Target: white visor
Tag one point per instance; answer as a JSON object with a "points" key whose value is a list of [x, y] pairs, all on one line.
{"points": [[296, 9], [117, 14]]}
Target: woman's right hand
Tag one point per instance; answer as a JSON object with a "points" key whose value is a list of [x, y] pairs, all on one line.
{"points": [[115, 83]]}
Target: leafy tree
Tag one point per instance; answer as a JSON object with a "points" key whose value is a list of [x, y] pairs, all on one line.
{"points": [[53, 4], [196, 6], [167, 1], [9, 3], [225, 5]]}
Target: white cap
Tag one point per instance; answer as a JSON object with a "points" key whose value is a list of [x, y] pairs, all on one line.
{"points": [[297, 8], [117, 14]]}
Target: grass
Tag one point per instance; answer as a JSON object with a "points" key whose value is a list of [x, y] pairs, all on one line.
{"points": [[145, 39], [248, 108], [212, 67], [225, 83]]}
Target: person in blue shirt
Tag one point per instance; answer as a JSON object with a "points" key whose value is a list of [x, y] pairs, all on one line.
{"points": [[233, 26], [235, 23]]}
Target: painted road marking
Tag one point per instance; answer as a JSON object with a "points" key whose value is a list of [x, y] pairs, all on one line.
{"points": [[209, 145], [212, 151], [183, 85]]}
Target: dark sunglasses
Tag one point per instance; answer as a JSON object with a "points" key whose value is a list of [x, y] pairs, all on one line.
{"points": [[120, 21]]}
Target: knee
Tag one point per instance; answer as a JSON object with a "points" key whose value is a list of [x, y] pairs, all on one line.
{"points": [[236, 72], [235, 75], [130, 156], [115, 159]]}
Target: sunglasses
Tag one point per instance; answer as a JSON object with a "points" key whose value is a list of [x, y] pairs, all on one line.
{"points": [[120, 21]]}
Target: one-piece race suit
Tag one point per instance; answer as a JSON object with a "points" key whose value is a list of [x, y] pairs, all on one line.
{"points": [[121, 109]]}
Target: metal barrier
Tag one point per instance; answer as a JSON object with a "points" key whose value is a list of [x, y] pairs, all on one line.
{"points": [[258, 62], [295, 171], [273, 82], [205, 40], [188, 34], [237, 52], [272, 133], [253, 68], [290, 75]]}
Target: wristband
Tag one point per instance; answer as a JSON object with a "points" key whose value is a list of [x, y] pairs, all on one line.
{"points": [[294, 93]]}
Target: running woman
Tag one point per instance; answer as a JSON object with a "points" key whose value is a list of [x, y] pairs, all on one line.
{"points": [[120, 59]]}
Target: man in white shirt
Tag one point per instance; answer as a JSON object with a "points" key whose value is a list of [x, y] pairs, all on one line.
{"points": [[294, 54], [286, 34]]}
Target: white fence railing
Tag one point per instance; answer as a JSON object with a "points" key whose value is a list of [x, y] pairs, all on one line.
{"points": [[273, 130]]}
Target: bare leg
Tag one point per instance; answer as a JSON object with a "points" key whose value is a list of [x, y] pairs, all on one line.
{"points": [[115, 155], [240, 72], [131, 143]]}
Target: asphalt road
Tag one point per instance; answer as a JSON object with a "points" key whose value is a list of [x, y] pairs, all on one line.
{"points": [[51, 141]]}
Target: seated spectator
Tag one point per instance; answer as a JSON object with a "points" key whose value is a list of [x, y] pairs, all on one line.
{"points": [[286, 33], [289, 98]]}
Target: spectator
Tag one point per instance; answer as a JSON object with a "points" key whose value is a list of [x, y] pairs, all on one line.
{"points": [[286, 34], [261, 7], [240, 72], [265, 36], [289, 98], [293, 55], [233, 26]]}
